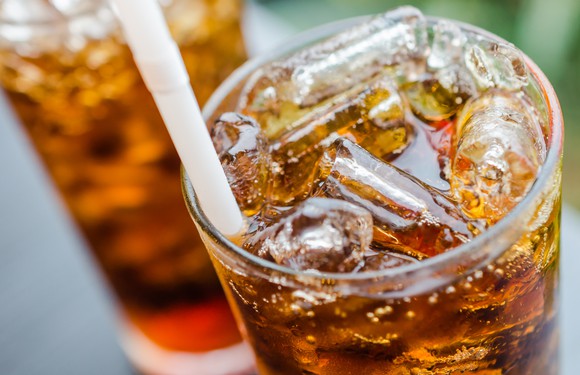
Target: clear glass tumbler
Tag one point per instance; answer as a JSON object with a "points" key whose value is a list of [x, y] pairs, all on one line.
{"points": [[71, 78], [489, 306]]}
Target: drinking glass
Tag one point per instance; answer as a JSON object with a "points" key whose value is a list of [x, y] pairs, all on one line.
{"points": [[489, 306]]}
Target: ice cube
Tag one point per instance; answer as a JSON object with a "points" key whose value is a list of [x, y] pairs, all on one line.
{"points": [[372, 114], [496, 64], [314, 74], [499, 150], [243, 152], [321, 234], [439, 96], [382, 260], [409, 216], [447, 45]]}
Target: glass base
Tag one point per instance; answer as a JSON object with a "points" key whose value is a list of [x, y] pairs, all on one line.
{"points": [[151, 359]]}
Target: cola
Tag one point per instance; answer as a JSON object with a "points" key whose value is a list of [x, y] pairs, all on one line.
{"points": [[408, 220]]}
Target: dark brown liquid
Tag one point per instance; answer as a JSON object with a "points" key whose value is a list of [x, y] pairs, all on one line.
{"points": [[105, 145], [502, 322]]}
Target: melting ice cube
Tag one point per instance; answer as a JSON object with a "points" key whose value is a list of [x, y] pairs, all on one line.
{"points": [[447, 45], [408, 215], [382, 260], [499, 150], [311, 75], [372, 114], [242, 149], [321, 234], [439, 94], [496, 64]]}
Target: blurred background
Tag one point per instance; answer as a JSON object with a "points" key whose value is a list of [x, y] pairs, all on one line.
{"points": [[547, 31]]}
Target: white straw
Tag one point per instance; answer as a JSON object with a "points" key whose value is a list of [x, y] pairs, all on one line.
{"points": [[163, 70]]}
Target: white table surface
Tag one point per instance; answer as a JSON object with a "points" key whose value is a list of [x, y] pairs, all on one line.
{"points": [[55, 317]]}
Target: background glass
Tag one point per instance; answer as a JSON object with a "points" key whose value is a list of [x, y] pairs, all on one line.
{"points": [[72, 81]]}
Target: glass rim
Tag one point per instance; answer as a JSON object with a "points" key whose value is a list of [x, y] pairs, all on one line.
{"points": [[488, 244]]}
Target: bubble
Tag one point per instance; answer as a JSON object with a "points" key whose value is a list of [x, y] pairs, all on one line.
{"points": [[382, 311], [433, 299]]}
